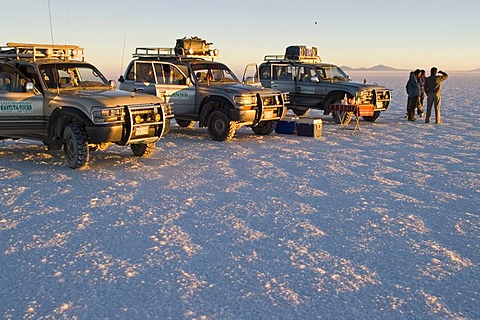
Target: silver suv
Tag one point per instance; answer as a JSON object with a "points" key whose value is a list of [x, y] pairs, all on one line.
{"points": [[313, 84], [49, 93], [201, 89]]}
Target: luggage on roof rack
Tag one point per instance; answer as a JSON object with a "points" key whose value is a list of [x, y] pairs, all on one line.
{"points": [[299, 52], [192, 46]]}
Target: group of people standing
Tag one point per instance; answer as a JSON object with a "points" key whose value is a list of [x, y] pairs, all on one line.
{"points": [[417, 86]]}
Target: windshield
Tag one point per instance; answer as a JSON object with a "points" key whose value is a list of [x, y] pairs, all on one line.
{"points": [[72, 77], [213, 73], [332, 73]]}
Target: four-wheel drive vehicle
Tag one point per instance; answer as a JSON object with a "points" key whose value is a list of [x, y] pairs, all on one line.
{"points": [[314, 84], [201, 89], [49, 93]]}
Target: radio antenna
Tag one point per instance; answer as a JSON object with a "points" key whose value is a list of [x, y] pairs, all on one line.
{"points": [[68, 20], [50, 15], [125, 37]]}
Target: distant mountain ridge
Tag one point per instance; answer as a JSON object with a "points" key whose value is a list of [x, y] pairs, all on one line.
{"points": [[382, 67]]}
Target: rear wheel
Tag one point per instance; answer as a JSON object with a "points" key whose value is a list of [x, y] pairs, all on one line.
{"points": [[220, 127], [143, 149], [185, 123], [375, 116], [264, 128], [75, 145]]}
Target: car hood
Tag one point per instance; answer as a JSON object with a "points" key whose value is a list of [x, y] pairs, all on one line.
{"points": [[242, 89], [357, 86], [109, 97]]}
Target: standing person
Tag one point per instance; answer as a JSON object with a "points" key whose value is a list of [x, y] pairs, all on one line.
{"points": [[413, 91], [422, 93], [408, 94], [432, 88]]}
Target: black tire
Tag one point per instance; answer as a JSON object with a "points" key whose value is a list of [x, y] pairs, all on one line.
{"points": [[375, 116], [264, 128], [340, 117], [220, 127], [185, 123], [75, 145], [301, 112], [143, 149]]}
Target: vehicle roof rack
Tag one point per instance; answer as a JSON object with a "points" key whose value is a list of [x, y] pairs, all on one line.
{"points": [[279, 58], [177, 53], [28, 51]]}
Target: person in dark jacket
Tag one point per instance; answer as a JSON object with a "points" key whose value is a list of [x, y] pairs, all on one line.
{"points": [[413, 91], [432, 88], [422, 93], [408, 94]]}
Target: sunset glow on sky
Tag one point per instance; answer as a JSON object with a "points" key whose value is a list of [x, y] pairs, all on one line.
{"points": [[401, 34]]}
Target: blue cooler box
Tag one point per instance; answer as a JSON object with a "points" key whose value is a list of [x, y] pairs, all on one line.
{"points": [[286, 126], [309, 127]]}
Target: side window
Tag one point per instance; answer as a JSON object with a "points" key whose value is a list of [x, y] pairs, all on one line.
{"points": [[282, 73], [265, 73], [144, 72], [11, 82], [169, 74], [306, 73], [321, 73], [131, 73]]}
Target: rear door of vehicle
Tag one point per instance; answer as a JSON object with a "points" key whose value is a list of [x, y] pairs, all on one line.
{"points": [[282, 76], [21, 112]]}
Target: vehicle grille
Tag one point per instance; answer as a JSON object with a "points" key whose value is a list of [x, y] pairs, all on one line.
{"points": [[143, 114], [380, 98], [272, 100], [151, 116]]}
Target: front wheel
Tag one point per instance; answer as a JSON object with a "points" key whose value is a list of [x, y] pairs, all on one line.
{"points": [[375, 116], [264, 128], [185, 123], [340, 117], [220, 127], [143, 149], [75, 145]]}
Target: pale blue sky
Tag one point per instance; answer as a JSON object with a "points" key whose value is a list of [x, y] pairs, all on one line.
{"points": [[402, 33]]}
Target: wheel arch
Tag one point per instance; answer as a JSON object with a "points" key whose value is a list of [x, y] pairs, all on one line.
{"points": [[57, 122], [332, 95], [210, 104]]}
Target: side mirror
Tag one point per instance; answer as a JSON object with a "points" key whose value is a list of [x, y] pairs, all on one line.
{"points": [[113, 84], [121, 79], [29, 87]]}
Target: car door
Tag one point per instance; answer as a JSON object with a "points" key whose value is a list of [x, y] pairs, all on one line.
{"points": [[282, 76], [174, 86], [308, 88], [21, 106]]}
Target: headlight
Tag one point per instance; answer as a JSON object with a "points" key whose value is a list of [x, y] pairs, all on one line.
{"points": [[245, 100], [110, 115]]}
